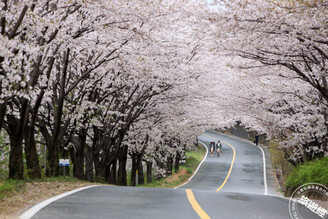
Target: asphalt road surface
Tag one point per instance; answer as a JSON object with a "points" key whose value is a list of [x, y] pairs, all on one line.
{"points": [[234, 185]]}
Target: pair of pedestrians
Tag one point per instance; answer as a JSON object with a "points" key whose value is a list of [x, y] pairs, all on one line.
{"points": [[214, 146]]}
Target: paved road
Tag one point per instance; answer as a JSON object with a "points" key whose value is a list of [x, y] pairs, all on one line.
{"points": [[247, 172], [220, 189]]}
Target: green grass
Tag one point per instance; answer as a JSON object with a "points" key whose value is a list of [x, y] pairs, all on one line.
{"points": [[10, 186], [193, 158], [309, 172]]}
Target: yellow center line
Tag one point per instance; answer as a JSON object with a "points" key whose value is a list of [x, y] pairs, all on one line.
{"points": [[201, 213], [232, 162]]}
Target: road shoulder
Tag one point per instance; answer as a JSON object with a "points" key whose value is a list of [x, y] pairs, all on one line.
{"points": [[34, 193]]}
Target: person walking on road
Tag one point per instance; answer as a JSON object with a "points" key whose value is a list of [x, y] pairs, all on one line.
{"points": [[212, 147], [219, 146], [256, 141]]}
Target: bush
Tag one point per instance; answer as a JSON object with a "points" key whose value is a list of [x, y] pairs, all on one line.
{"points": [[310, 172]]}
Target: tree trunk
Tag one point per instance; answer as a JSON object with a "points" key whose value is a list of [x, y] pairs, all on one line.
{"points": [[160, 165], [78, 162], [177, 162], [16, 166], [78, 169], [133, 170], [32, 159], [110, 173], [98, 166], [52, 152], [122, 166], [16, 127], [141, 179], [149, 172], [95, 154], [169, 166], [53, 162], [109, 160], [113, 172], [89, 164]]}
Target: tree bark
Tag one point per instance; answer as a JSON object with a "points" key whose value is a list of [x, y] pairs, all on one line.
{"points": [[161, 165], [16, 166], [141, 179], [169, 166], [32, 158], [122, 181], [79, 143], [113, 172], [89, 164], [16, 134], [177, 162], [133, 170], [98, 166], [96, 154], [149, 172], [53, 162]]}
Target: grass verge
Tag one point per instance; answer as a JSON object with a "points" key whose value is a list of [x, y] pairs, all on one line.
{"points": [[282, 168], [17, 195], [193, 158], [10, 186]]}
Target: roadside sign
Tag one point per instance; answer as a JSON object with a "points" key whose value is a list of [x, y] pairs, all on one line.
{"points": [[63, 162]]}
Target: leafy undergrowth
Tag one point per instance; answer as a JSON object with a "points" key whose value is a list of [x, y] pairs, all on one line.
{"points": [[193, 158], [310, 172]]}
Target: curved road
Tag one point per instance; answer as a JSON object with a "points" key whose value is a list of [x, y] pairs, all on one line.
{"points": [[230, 186]]}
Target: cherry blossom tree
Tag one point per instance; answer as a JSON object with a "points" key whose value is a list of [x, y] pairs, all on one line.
{"points": [[283, 74]]}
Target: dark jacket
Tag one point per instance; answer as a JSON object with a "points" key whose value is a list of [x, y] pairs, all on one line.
{"points": [[256, 141]]}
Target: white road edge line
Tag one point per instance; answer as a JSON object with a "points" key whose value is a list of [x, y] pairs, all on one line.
{"points": [[33, 210], [264, 173], [197, 167], [264, 163]]}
